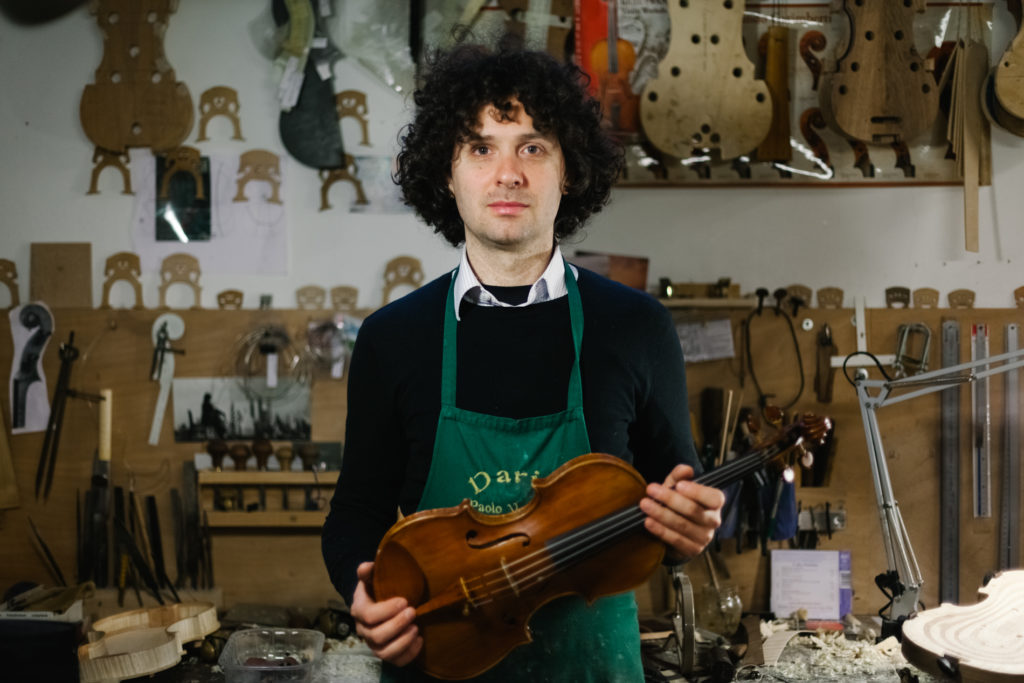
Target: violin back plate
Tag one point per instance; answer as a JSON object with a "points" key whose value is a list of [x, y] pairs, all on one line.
{"points": [[985, 640], [705, 95]]}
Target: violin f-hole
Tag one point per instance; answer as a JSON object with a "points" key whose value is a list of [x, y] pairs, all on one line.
{"points": [[472, 533]]}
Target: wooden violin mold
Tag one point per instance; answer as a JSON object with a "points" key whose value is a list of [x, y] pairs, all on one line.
{"points": [[1009, 72], [705, 95], [880, 91], [135, 101], [980, 643], [143, 641]]}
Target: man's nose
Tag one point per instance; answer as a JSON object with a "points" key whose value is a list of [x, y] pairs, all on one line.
{"points": [[510, 172]]}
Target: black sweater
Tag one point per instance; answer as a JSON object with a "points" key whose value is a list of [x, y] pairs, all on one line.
{"points": [[512, 362]]}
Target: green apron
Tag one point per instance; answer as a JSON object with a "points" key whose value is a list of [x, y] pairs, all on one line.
{"points": [[491, 460]]}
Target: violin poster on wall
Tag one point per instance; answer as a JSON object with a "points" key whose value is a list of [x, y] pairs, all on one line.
{"points": [[784, 91]]}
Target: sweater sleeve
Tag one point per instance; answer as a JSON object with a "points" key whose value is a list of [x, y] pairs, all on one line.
{"points": [[661, 435], [366, 497]]}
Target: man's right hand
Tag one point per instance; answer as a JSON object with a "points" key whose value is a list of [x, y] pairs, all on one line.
{"points": [[387, 627]]}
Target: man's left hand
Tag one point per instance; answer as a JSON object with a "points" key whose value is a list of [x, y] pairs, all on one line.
{"points": [[682, 513]]}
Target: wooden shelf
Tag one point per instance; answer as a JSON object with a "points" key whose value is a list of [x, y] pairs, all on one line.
{"points": [[679, 302], [266, 518], [265, 478], [278, 517]]}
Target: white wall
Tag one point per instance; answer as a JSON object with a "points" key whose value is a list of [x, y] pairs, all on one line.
{"points": [[860, 239]]}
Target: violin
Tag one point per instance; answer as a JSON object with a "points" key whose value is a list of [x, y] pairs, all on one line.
{"points": [[705, 95], [476, 579], [612, 60], [880, 91], [980, 643]]}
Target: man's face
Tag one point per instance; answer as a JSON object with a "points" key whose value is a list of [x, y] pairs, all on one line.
{"points": [[507, 180]]}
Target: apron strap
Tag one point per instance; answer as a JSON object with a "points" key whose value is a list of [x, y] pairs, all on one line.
{"points": [[450, 342]]}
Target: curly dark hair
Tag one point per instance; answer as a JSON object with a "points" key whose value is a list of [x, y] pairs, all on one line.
{"points": [[458, 85]]}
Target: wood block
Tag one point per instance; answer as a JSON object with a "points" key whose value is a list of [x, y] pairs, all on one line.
{"points": [[8, 484], [60, 274]]}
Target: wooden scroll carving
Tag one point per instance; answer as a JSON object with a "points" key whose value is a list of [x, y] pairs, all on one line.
{"points": [[926, 297], [348, 173], [219, 100], [229, 300], [135, 101], [705, 96], [811, 42], [402, 270], [352, 103], [183, 160], [310, 298], [961, 298], [9, 277], [897, 297], [344, 298], [259, 164], [830, 297], [1018, 297], [104, 158], [183, 268], [124, 265], [979, 643], [143, 641]]}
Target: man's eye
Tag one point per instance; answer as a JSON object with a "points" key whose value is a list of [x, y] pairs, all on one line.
{"points": [[479, 149], [533, 149]]}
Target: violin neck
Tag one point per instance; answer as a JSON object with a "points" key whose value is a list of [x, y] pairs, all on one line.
{"points": [[582, 542]]}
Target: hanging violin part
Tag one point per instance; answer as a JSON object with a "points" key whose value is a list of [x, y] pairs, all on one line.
{"points": [[880, 91], [135, 101], [475, 579], [705, 96]]}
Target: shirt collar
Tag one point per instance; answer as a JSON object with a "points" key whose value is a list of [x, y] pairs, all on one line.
{"points": [[550, 285]]}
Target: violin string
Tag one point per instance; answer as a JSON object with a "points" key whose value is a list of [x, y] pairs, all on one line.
{"points": [[544, 563]]}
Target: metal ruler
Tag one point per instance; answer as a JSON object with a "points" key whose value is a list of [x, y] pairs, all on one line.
{"points": [[981, 427], [949, 482], [1009, 509]]}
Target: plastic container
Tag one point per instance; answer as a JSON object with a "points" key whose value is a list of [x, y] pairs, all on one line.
{"points": [[264, 655]]}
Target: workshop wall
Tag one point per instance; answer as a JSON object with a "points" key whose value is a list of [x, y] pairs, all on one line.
{"points": [[859, 239]]}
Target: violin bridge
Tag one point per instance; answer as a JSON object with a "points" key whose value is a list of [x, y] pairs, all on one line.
{"points": [[469, 598]]}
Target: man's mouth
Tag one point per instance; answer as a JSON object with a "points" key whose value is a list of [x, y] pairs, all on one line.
{"points": [[507, 208]]}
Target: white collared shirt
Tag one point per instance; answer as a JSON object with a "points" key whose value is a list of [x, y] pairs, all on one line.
{"points": [[550, 285]]}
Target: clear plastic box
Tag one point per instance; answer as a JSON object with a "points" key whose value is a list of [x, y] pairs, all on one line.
{"points": [[274, 646]]}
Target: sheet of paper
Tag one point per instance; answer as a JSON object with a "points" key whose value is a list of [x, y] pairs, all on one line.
{"points": [[706, 340], [814, 580]]}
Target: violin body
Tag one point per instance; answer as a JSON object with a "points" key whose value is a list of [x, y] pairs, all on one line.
{"points": [[979, 643], [880, 91], [480, 577], [612, 60], [705, 95]]}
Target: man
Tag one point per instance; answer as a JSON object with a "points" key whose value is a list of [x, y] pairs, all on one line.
{"points": [[484, 378]]}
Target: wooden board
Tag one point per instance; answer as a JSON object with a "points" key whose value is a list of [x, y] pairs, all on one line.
{"points": [[8, 485], [61, 274]]}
